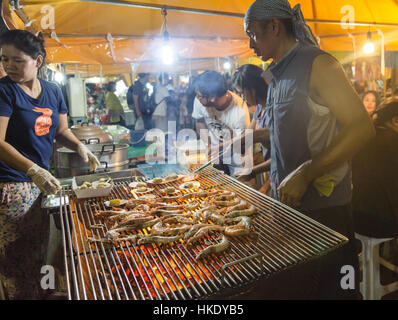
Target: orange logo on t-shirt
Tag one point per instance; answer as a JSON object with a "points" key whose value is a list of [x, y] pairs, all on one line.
{"points": [[44, 122]]}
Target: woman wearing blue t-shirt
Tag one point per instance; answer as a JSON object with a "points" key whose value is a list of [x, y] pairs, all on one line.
{"points": [[32, 114]]}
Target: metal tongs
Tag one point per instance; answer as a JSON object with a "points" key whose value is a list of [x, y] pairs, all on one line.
{"points": [[220, 154]]}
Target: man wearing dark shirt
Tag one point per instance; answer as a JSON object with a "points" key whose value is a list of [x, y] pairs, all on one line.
{"points": [[140, 99]]}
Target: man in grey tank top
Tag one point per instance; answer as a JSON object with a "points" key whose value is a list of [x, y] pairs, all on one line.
{"points": [[316, 123]]}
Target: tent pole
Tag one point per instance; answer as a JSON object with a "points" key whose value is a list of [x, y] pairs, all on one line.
{"points": [[383, 61]]}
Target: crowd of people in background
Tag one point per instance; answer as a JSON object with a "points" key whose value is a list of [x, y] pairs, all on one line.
{"points": [[154, 100]]}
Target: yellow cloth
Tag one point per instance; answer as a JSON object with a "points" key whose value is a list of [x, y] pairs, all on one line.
{"points": [[113, 104], [325, 184]]}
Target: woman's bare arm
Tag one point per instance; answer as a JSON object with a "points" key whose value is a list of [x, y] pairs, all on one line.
{"points": [[64, 135]]}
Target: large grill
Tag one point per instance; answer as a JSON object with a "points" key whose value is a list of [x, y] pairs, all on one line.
{"points": [[283, 239]]}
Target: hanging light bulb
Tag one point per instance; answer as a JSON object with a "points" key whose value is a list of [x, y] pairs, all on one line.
{"points": [[227, 65], [369, 47], [167, 50], [59, 77]]}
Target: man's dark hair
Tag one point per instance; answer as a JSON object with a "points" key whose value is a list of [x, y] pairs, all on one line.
{"points": [[111, 86], [143, 75], [249, 77], [211, 83], [287, 23]]}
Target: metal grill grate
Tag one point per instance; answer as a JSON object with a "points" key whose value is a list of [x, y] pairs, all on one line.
{"points": [[283, 238]]}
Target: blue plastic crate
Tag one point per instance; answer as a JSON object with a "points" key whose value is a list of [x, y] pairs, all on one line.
{"points": [[162, 169], [137, 138]]}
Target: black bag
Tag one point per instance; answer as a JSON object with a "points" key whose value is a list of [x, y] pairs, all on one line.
{"points": [[151, 104], [130, 99]]}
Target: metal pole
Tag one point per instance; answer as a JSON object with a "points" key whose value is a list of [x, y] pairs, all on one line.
{"points": [[383, 61], [224, 13]]}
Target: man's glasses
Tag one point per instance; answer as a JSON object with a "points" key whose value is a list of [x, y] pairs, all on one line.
{"points": [[204, 97]]}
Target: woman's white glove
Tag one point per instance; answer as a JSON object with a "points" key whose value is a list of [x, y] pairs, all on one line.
{"points": [[87, 156], [44, 180]]}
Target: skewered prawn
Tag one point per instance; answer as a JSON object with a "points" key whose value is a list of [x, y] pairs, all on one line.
{"points": [[235, 231], [171, 198], [242, 204], [177, 219], [192, 205], [196, 216], [163, 212], [104, 213], [215, 248], [158, 239], [161, 205], [199, 194], [194, 229], [203, 231], [132, 203], [163, 229], [226, 203], [225, 195], [244, 221], [143, 207], [123, 215], [186, 215], [245, 212], [135, 219], [217, 218]]}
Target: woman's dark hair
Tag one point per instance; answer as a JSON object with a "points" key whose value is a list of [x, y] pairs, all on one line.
{"points": [[25, 41], [111, 86], [211, 83], [386, 111], [248, 77]]}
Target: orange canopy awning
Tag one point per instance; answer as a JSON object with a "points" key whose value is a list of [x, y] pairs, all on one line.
{"points": [[123, 32]]}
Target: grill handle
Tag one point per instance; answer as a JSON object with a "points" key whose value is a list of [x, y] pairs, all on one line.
{"points": [[112, 146], [104, 169], [94, 140], [231, 264], [140, 168]]}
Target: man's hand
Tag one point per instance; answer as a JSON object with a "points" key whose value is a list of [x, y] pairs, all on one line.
{"points": [[295, 185], [44, 180], [87, 156], [244, 177]]}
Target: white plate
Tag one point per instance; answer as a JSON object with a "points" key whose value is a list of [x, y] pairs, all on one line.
{"points": [[143, 192], [195, 185], [121, 203], [134, 184]]}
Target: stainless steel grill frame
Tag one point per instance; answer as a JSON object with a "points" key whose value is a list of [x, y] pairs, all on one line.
{"points": [[283, 239]]}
